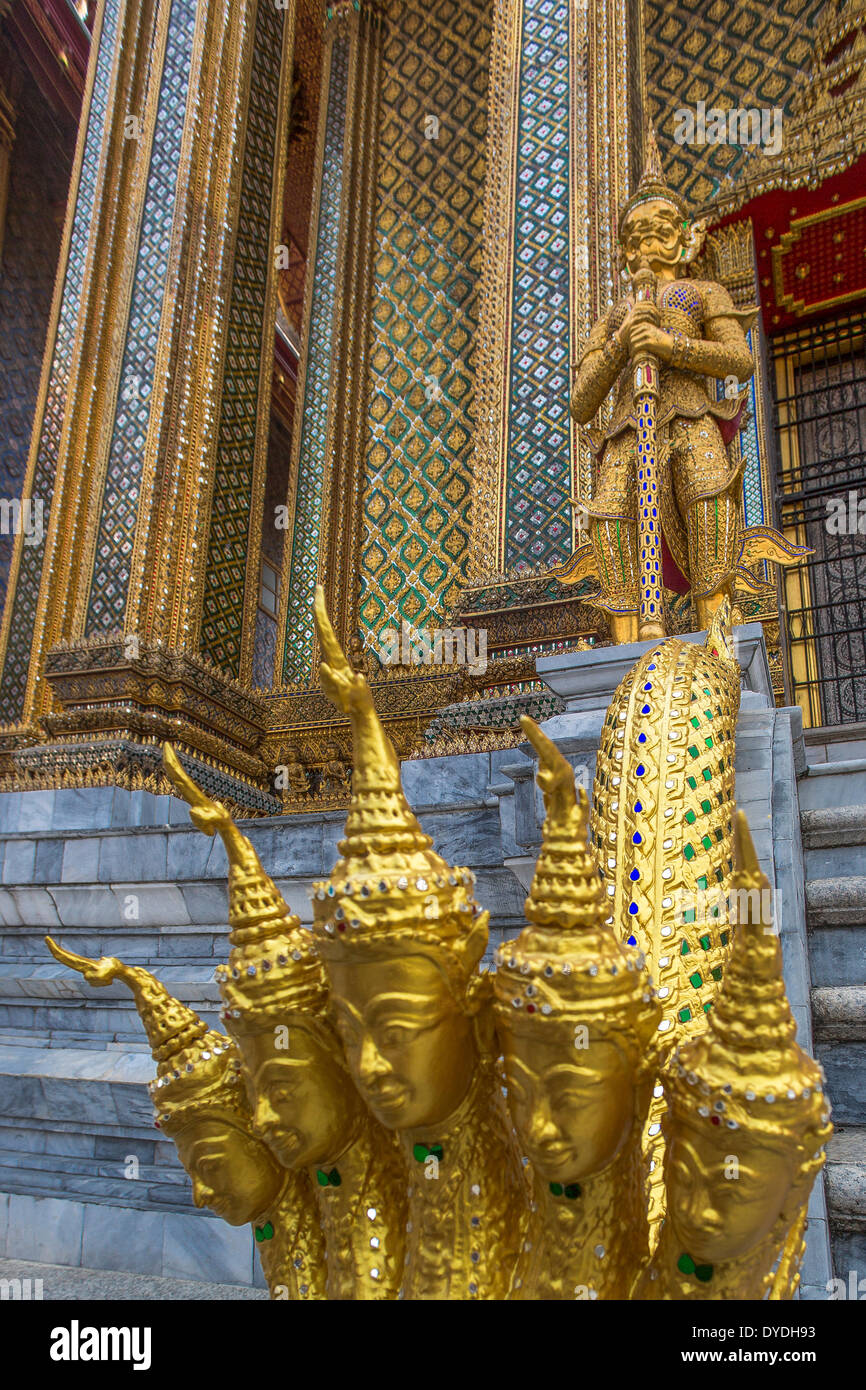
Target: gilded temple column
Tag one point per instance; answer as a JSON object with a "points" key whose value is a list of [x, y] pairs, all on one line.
{"points": [[564, 142], [148, 448], [328, 450]]}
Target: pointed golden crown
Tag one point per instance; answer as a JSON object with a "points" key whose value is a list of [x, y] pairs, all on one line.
{"points": [[652, 184], [569, 964], [273, 968], [196, 1066], [389, 886], [747, 1070]]}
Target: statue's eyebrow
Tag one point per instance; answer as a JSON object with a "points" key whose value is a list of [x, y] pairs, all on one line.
{"points": [[419, 1006]]}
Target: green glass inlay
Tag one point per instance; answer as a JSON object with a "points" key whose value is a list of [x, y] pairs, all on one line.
{"points": [[696, 980], [708, 741], [707, 1007], [695, 722], [702, 883], [706, 807], [690, 817], [689, 914], [692, 783], [716, 972], [693, 751], [705, 942], [706, 842], [724, 938], [684, 1015], [708, 776], [689, 853]]}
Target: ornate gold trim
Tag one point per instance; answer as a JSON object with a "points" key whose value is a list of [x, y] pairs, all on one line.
{"points": [[789, 239]]}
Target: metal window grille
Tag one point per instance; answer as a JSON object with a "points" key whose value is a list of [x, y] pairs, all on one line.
{"points": [[820, 379]]}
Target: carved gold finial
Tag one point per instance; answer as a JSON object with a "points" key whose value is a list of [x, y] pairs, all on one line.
{"points": [[193, 1061], [389, 883], [652, 183]]}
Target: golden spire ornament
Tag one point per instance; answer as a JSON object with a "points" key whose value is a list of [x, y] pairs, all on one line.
{"points": [[305, 1105], [578, 1023], [747, 1126], [401, 937], [201, 1104]]}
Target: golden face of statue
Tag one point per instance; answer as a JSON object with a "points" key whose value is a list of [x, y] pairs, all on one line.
{"points": [[231, 1170], [653, 231], [573, 1108], [303, 1103], [725, 1191], [410, 1047]]}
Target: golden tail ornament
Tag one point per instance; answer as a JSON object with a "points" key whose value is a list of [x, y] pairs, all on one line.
{"points": [[661, 825]]}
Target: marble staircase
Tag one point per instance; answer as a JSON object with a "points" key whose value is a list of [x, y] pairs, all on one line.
{"points": [[833, 820]]}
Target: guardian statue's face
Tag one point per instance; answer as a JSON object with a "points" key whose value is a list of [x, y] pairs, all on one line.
{"points": [[653, 231], [303, 1103], [232, 1171], [410, 1047], [573, 1108], [725, 1191]]}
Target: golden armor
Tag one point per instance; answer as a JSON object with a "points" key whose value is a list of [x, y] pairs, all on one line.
{"points": [[747, 1126], [691, 329], [401, 937], [305, 1106], [201, 1104], [578, 1023]]}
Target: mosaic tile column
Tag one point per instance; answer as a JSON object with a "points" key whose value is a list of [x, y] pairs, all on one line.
{"points": [[566, 84], [149, 441], [328, 449], [81, 364]]}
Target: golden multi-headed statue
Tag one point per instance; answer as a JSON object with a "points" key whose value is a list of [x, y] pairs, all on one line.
{"points": [[201, 1104], [665, 504], [370, 1057]]}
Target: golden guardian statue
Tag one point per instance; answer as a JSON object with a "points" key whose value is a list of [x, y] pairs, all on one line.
{"points": [[665, 507]]}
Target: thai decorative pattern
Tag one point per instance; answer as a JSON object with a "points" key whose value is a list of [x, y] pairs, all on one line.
{"points": [[114, 541], [751, 58], [404, 1131], [232, 567], [418, 479], [20, 613], [549, 261], [301, 569]]}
